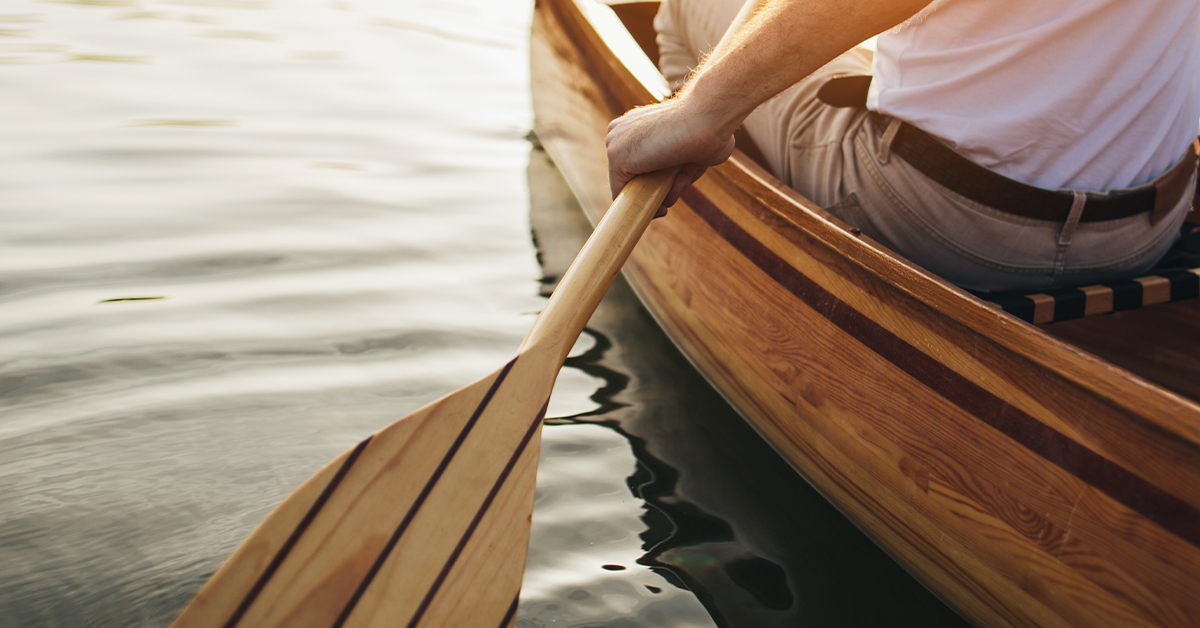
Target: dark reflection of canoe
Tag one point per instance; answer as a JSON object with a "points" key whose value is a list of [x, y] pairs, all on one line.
{"points": [[1023, 479]]}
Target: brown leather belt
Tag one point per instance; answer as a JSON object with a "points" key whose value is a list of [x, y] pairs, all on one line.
{"points": [[940, 163]]}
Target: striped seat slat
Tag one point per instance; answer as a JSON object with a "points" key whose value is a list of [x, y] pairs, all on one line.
{"points": [[1064, 304]]}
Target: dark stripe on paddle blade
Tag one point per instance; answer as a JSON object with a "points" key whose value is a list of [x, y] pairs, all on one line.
{"points": [[512, 611], [295, 536], [1148, 500], [416, 505], [487, 503]]}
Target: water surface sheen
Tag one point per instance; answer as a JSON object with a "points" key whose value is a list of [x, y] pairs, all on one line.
{"points": [[241, 235], [330, 199]]}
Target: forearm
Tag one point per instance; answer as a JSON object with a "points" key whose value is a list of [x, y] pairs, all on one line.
{"points": [[785, 41]]}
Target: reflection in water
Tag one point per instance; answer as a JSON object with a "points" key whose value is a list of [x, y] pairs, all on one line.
{"points": [[673, 528], [671, 525], [582, 568]]}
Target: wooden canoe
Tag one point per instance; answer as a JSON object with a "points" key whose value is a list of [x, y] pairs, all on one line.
{"points": [[1030, 476]]}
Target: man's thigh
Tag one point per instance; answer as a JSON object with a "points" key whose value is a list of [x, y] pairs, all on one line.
{"points": [[807, 143], [687, 30]]}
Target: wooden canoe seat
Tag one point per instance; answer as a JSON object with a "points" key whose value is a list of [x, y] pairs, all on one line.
{"points": [[1177, 278], [1063, 304]]}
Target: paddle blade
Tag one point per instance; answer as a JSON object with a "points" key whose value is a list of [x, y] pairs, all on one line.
{"points": [[426, 523]]}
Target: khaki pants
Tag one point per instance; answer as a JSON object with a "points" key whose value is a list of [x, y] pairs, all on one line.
{"points": [[838, 158]]}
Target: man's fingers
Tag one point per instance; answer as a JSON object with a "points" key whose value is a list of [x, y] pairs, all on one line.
{"points": [[682, 180], [688, 175]]}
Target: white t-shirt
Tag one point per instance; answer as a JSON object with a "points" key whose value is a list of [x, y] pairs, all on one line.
{"points": [[1085, 94]]}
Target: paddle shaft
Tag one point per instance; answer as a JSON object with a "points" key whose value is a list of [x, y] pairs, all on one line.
{"points": [[598, 262]]}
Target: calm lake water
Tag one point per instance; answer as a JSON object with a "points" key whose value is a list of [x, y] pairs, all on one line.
{"points": [[240, 235]]}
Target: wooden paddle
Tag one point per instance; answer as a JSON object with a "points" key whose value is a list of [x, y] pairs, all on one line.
{"points": [[426, 523]]}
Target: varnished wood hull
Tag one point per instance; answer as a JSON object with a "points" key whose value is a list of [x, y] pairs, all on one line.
{"points": [[1024, 480]]}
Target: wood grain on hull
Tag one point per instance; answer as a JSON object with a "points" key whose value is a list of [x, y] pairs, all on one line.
{"points": [[1024, 481]]}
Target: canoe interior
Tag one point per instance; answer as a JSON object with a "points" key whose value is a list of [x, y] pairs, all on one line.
{"points": [[1160, 343]]}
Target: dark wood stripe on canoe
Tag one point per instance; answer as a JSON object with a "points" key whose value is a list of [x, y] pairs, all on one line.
{"points": [[512, 611], [487, 503], [286, 548], [416, 505], [1169, 512]]}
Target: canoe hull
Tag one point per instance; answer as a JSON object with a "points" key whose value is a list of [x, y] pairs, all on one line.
{"points": [[1024, 481]]}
